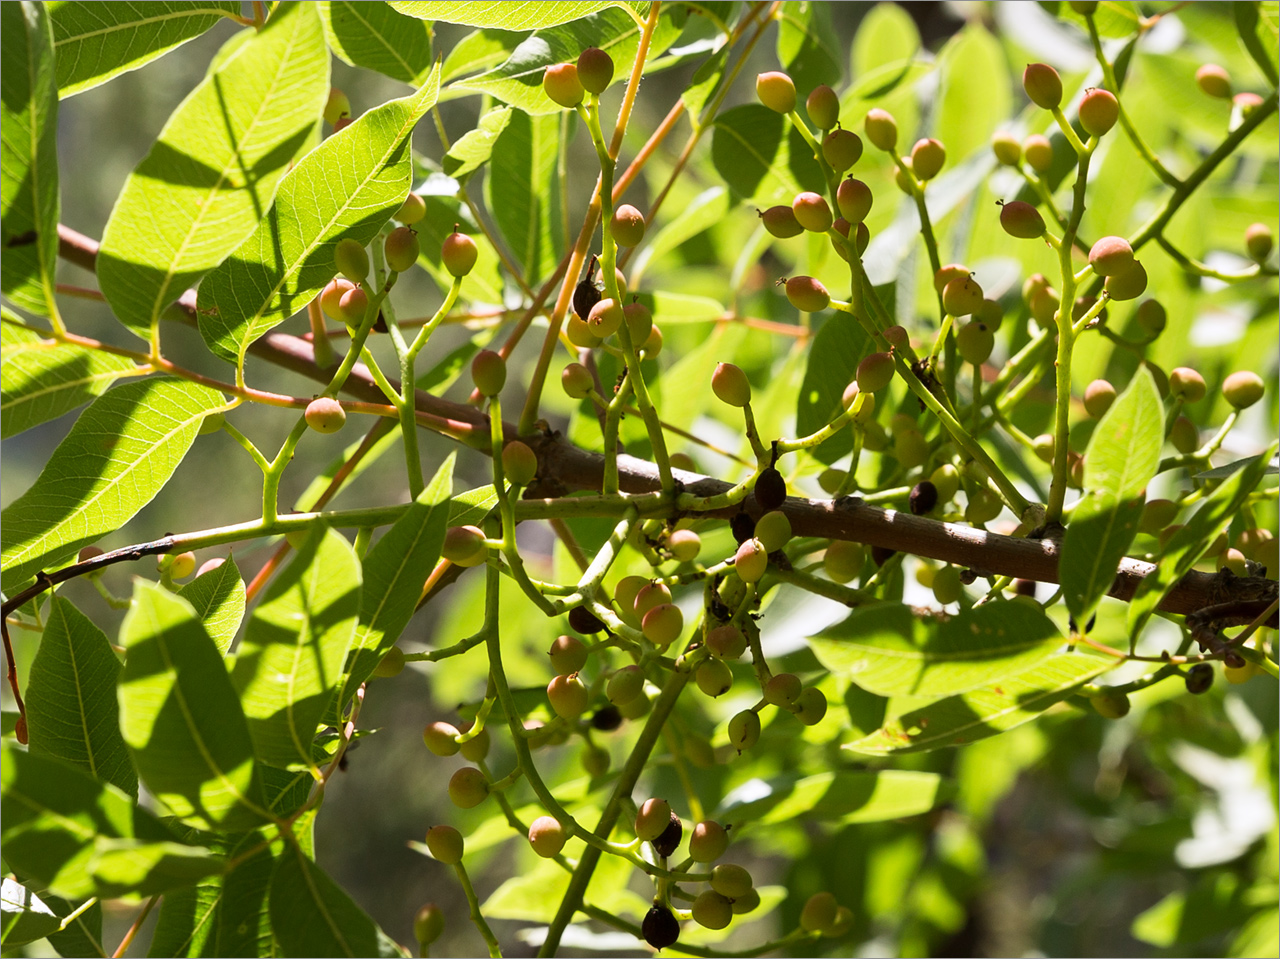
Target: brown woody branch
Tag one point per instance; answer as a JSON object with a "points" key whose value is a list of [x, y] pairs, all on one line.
{"points": [[564, 467]]}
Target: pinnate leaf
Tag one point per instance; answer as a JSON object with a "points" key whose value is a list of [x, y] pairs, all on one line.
{"points": [[312, 916], [888, 650], [77, 837], [762, 157], [28, 158], [120, 453], [182, 718], [218, 597], [40, 379], [394, 571], [375, 36], [211, 175], [521, 15], [98, 41], [347, 187], [291, 658], [72, 712], [915, 724]]}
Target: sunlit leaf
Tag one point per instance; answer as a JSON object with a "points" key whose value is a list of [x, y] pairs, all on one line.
{"points": [[888, 650], [913, 724], [28, 158], [347, 187], [41, 379], [182, 718], [72, 713], [120, 453], [375, 36], [98, 41], [395, 571], [218, 597], [501, 14], [210, 177], [291, 658]]}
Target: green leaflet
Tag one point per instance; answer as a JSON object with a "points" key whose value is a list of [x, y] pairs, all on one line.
{"points": [[523, 192], [975, 95], [913, 724], [42, 379], [807, 46], [72, 713], [846, 796], [120, 453], [1102, 529], [831, 366], [762, 157], [1124, 452], [24, 917], [218, 597], [98, 41], [211, 175], [28, 158], [394, 571], [702, 213], [888, 650], [518, 80], [374, 35], [79, 837], [347, 187], [188, 920], [312, 916], [1122, 457], [526, 15], [182, 718], [292, 654], [473, 148], [1187, 544]]}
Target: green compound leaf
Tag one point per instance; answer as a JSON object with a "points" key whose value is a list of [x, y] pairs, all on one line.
{"points": [[888, 650], [78, 837], [347, 187], [218, 597], [1124, 452], [72, 712], [312, 916], [474, 148], [28, 158], [521, 15], [42, 379], [24, 917], [832, 365], [291, 658], [762, 157], [98, 41], [844, 796], [1101, 531], [395, 570], [211, 175], [807, 46], [1187, 545], [182, 718], [518, 80], [120, 453], [1122, 457], [915, 725], [188, 920], [375, 36], [523, 192]]}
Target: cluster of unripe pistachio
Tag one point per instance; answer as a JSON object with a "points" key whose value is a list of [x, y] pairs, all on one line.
{"points": [[346, 297]]}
